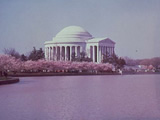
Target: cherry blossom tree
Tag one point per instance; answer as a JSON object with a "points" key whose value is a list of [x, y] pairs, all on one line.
{"points": [[10, 63], [7, 62]]}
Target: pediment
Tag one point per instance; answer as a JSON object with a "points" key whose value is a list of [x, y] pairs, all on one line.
{"points": [[107, 40]]}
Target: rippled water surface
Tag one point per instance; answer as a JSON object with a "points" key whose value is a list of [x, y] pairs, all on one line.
{"points": [[125, 97]]}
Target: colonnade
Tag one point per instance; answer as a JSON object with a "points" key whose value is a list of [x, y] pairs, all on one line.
{"points": [[97, 52], [64, 53]]}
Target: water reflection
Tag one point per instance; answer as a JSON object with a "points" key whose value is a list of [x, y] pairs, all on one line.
{"points": [[125, 97]]}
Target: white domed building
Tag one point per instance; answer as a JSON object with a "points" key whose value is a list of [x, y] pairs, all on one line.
{"points": [[75, 39]]}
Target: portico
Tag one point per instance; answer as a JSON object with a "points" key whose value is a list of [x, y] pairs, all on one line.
{"points": [[61, 52], [74, 39]]}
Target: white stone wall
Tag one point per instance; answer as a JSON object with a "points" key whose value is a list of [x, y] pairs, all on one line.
{"points": [[63, 51]]}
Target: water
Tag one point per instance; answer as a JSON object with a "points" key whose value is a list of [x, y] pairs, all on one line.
{"points": [[120, 97]]}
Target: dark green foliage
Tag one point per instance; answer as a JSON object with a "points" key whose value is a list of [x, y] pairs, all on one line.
{"points": [[81, 58], [23, 57], [113, 59], [36, 54], [121, 62]]}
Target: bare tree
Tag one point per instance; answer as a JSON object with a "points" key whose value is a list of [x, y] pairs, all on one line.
{"points": [[12, 52]]}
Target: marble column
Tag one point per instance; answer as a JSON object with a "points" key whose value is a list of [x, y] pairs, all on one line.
{"points": [[93, 54], [45, 53], [70, 52], [89, 52], [48, 53], [80, 49], [98, 53], [51, 53], [56, 53], [65, 53], [75, 50], [60, 52]]}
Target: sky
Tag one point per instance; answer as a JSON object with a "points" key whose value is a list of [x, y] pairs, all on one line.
{"points": [[133, 24]]}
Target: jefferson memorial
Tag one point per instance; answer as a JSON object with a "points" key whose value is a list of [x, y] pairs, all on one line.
{"points": [[75, 39]]}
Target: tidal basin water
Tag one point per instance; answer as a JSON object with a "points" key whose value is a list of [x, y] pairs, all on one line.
{"points": [[119, 97]]}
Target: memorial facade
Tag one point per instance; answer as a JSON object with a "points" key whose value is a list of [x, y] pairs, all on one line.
{"points": [[74, 40]]}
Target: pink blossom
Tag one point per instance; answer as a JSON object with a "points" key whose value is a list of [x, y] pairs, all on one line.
{"points": [[10, 63]]}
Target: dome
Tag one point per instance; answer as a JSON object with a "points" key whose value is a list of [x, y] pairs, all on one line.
{"points": [[72, 34]]}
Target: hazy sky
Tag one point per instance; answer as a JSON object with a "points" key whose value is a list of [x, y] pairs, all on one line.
{"points": [[133, 24]]}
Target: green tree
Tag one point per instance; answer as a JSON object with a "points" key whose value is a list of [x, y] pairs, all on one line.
{"points": [[23, 57], [82, 57], [114, 59], [36, 54], [121, 62]]}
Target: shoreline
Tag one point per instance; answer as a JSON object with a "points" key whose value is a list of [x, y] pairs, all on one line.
{"points": [[14, 78], [73, 74], [57, 74], [9, 81]]}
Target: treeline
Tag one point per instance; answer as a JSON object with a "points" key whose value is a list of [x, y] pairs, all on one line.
{"points": [[36, 55], [33, 55], [153, 61], [11, 64]]}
